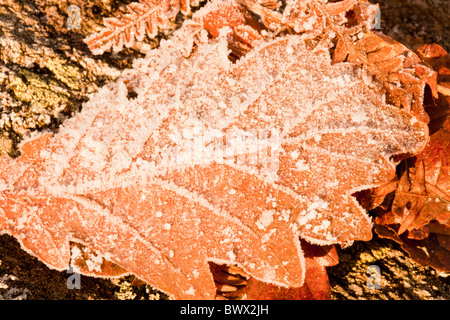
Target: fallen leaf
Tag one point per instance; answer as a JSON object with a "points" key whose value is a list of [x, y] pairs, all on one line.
{"points": [[419, 215], [239, 285], [212, 160], [145, 18], [350, 24]]}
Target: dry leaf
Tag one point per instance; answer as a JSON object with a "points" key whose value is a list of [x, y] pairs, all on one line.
{"points": [[349, 25], [212, 160], [419, 216], [145, 19], [235, 284]]}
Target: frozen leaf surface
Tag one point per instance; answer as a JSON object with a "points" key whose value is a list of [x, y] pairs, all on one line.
{"points": [[234, 284], [351, 25], [210, 161]]}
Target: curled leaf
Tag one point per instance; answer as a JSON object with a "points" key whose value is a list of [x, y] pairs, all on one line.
{"points": [[419, 215]]}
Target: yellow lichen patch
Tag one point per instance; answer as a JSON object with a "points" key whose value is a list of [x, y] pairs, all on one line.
{"points": [[67, 73], [31, 88]]}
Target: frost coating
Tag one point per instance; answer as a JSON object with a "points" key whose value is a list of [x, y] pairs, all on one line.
{"points": [[126, 176]]}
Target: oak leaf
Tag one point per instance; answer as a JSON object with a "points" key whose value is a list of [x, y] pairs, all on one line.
{"points": [[233, 283], [212, 160], [351, 25]]}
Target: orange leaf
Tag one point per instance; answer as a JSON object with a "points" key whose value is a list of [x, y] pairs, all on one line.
{"points": [[214, 160], [419, 216]]}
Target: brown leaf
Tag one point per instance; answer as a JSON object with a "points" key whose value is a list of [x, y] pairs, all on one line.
{"points": [[427, 252], [438, 59], [212, 161], [419, 216], [393, 64]]}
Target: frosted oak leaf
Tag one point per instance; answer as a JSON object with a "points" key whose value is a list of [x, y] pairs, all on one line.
{"points": [[107, 179]]}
